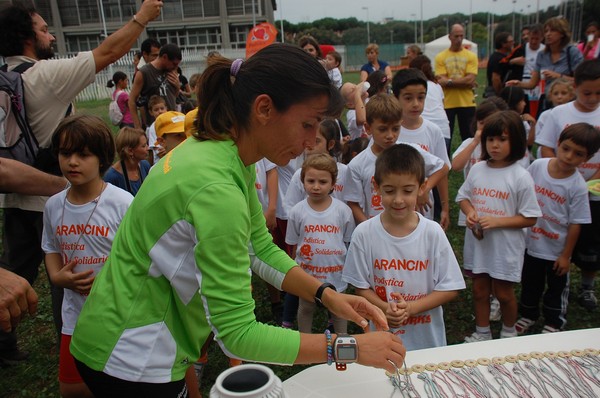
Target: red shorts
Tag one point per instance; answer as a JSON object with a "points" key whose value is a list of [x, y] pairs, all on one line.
{"points": [[67, 371]]}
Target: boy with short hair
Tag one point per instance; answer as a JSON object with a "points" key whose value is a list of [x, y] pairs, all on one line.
{"points": [[399, 260], [170, 130], [585, 108], [157, 105], [563, 197], [410, 87], [383, 124], [333, 60]]}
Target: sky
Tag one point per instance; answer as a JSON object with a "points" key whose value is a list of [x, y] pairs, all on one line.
{"points": [[309, 10]]}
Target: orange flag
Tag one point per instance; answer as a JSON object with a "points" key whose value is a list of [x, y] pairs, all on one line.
{"points": [[259, 37]]}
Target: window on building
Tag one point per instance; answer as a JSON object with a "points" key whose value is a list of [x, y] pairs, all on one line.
{"points": [[69, 13], [200, 38], [78, 43], [200, 8], [244, 7], [43, 8], [88, 11], [238, 35]]}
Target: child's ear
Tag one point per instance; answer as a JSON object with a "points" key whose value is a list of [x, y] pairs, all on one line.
{"points": [[422, 187], [367, 127], [376, 187]]}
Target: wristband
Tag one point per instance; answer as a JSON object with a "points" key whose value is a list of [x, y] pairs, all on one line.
{"points": [[329, 347], [135, 20], [319, 294]]}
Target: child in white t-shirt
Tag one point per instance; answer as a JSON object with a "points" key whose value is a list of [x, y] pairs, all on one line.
{"points": [[79, 226], [401, 261], [157, 105], [384, 115], [563, 197], [498, 198], [356, 97], [410, 87], [319, 227], [333, 61]]}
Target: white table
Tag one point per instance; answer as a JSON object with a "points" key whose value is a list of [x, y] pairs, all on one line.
{"points": [[322, 381]]}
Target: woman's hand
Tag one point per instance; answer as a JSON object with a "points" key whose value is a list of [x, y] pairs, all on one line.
{"points": [[377, 349], [354, 308]]}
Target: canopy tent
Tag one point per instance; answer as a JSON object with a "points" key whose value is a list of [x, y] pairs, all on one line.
{"points": [[442, 43]]}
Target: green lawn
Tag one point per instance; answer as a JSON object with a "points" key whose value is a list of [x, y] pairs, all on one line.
{"points": [[37, 377]]}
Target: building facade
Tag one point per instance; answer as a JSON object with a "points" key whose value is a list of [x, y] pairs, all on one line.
{"points": [[204, 25]]}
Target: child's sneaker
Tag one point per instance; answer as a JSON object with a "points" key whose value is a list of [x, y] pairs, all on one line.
{"points": [[495, 312], [507, 335], [475, 337], [588, 300], [523, 325], [549, 329]]}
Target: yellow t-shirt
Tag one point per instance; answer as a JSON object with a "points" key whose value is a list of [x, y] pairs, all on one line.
{"points": [[456, 65]]}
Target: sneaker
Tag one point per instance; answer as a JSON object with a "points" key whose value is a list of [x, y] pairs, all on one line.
{"points": [[588, 300], [523, 325], [507, 335], [495, 312], [12, 357], [475, 337], [549, 329]]}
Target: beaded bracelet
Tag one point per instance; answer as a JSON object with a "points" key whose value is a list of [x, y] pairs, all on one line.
{"points": [[329, 347]]}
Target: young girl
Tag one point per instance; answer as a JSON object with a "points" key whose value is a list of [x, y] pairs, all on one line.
{"points": [[119, 81], [515, 99], [560, 91], [79, 226], [498, 198], [132, 169], [320, 228], [378, 82]]}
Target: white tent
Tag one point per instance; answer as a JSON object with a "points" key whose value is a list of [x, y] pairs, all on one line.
{"points": [[442, 43]]}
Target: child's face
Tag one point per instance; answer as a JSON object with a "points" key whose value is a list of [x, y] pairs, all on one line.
{"points": [[588, 95], [172, 140], [123, 83], [570, 155], [498, 147], [80, 168], [158, 109], [321, 146], [561, 94], [399, 193], [330, 62], [412, 100], [317, 184], [384, 134]]}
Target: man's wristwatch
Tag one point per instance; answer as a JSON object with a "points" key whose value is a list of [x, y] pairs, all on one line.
{"points": [[319, 294], [345, 350]]}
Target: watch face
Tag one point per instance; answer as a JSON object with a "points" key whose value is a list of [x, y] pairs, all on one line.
{"points": [[346, 352]]}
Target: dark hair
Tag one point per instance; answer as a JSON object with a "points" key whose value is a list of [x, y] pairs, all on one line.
{"points": [[500, 39], [16, 26], [172, 51], [330, 130], [378, 80], [337, 56], [486, 108], [583, 134], [353, 148], [408, 77], [117, 77], [148, 44], [384, 107], [78, 132], [423, 63], [400, 159], [508, 122], [277, 71], [512, 95], [307, 39], [536, 28], [587, 70]]}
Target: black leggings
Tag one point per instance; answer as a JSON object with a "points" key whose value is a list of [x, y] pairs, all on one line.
{"points": [[103, 385]]}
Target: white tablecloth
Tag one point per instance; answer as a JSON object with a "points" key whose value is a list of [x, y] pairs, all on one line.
{"points": [[322, 381]]}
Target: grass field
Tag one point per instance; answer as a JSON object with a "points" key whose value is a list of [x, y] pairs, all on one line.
{"points": [[37, 377]]}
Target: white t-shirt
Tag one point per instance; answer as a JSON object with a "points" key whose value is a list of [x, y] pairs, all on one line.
{"points": [[360, 187], [335, 76], [474, 158], [530, 57], [152, 144], [560, 118], [321, 238], [296, 193], [353, 130], [69, 235], [563, 201], [499, 192], [284, 176], [414, 266], [538, 127], [262, 167], [428, 136], [434, 108]]}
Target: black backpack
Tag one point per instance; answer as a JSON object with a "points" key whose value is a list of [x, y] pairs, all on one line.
{"points": [[16, 137]]}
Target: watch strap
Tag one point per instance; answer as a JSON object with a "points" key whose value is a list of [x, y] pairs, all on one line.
{"points": [[319, 294]]}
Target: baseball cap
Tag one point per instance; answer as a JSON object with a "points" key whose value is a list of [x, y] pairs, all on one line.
{"points": [[169, 122], [190, 120]]}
